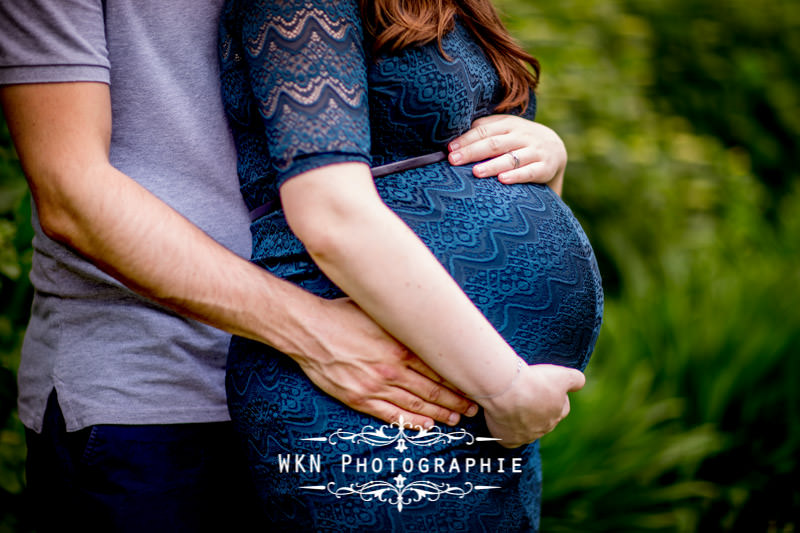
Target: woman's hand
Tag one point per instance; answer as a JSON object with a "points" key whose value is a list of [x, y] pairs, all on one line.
{"points": [[517, 150], [534, 404]]}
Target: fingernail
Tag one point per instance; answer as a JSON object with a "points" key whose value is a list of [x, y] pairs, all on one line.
{"points": [[454, 146], [480, 171], [473, 410], [453, 419], [456, 157], [428, 424]]}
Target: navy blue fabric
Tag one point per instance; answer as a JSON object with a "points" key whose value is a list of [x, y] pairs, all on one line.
{"points": [[170, 478], [517, 251]]}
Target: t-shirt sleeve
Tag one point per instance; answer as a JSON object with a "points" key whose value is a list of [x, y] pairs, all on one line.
{"points": [[308, 77], [44, 41]]}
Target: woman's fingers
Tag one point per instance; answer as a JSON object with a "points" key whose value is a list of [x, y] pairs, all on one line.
{"points": [[575, 380], [482, 128], [565, 409], [536, 172], [514, 166], [514, 149], [538, 403], [486, 141]]}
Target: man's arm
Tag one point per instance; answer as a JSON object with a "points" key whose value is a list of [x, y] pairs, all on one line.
{"points": [[62, 133]]}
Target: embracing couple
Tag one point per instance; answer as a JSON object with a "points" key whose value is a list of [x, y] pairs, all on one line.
{"points": [[391, 277]]}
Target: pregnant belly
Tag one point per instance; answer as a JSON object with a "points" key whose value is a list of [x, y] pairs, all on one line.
{"points": [[517, 251]]}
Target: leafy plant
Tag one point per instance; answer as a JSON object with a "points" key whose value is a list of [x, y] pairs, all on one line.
{"points": [[15, 294], [689, 421]]}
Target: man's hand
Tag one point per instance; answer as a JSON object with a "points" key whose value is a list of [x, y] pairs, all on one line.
{"points": [[534, 405], [520, 150], [358, 363]]}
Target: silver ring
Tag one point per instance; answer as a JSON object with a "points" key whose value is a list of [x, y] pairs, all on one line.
{"points": [[515, 158]]}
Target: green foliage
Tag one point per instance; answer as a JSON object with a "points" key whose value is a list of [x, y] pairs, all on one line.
{"points": [[15, 294], [732, 69], [689, 422], [690, 418]]}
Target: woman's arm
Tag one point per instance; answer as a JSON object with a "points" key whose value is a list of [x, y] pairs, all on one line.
{"points": [[383, 266]]}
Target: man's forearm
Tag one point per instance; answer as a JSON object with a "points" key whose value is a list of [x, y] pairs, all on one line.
{"points": [[62, 134], [87, 204], [145, 244]]}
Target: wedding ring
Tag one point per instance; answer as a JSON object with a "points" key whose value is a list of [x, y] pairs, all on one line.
{"points": [[515, 158]]}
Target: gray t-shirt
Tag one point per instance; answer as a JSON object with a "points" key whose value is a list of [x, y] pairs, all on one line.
{"points": [[112, 356]]}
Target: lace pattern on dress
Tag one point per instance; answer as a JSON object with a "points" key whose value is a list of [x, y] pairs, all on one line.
{"points": [[306, 70]]}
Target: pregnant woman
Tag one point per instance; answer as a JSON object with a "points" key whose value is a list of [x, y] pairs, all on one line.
{"points": [[316, 92]]}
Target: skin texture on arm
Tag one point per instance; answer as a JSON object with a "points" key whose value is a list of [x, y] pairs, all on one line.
{"points": [[378, 261], [62, 134]]}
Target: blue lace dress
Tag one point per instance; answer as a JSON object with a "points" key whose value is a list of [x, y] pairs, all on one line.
{"points": [[301, 91]]}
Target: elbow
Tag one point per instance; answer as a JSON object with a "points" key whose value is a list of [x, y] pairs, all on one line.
{"points": [[333, 210], [55, 221], [59, 213], [326, 235], [334, 232]]}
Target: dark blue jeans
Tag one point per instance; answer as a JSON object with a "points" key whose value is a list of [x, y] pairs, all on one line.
{"points": [[144, 479]]}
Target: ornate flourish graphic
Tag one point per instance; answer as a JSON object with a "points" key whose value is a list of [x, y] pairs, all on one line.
{"points": [[399, 494], [396, 433]]}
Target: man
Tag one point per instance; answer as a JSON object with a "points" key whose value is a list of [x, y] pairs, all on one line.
{"points": [[139, 265]]}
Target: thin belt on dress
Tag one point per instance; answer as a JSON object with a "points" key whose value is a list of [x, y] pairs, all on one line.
{"points": [[377, 172]]}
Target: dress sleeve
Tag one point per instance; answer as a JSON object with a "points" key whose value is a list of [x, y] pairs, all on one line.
{"points": [[308, 78], [44, 41]]}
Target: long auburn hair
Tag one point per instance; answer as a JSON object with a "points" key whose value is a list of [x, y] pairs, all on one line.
{"points": [[398, 24]]}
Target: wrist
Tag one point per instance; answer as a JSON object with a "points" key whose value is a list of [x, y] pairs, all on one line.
{"points": [[497, 400], [290, 319]]}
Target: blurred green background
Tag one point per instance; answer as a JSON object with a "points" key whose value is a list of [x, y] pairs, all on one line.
{"points": [[682, 120]]}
